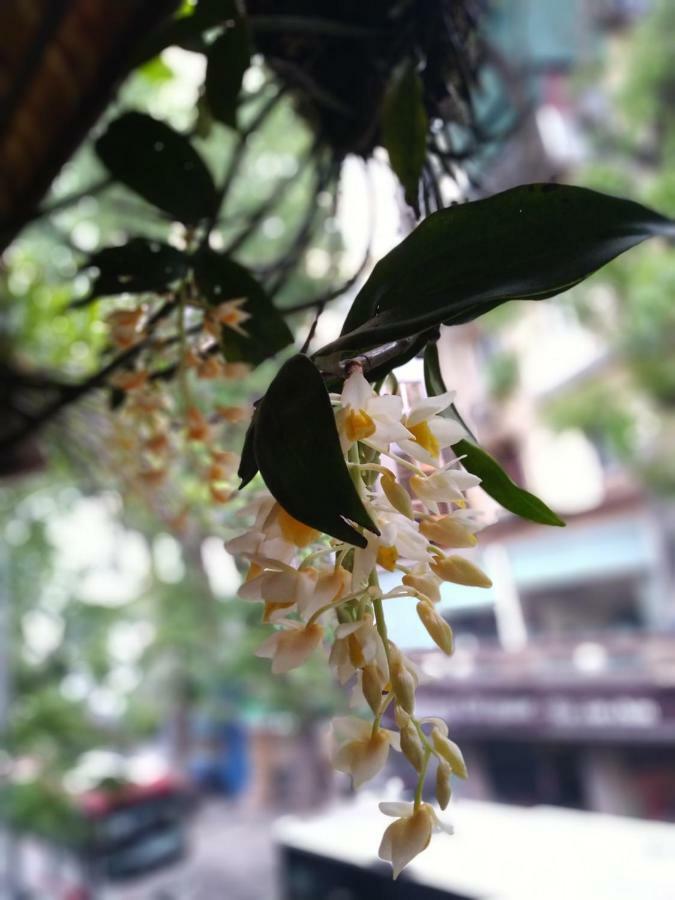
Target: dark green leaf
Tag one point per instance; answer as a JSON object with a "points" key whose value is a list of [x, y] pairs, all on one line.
{"points": [[137, 266], [499, 486], [530, 242], [187, 31], [404, 129], [494, 479], [228, 58], [297, 448], [159, 164], [219, 279], [248, 467]]}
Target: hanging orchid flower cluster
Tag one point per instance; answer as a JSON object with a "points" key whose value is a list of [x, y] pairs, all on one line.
{"points": [[319, 591], [152, 433]]}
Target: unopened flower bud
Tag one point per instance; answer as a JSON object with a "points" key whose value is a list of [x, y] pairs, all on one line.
{"points": [[403, 678], [438, 629], [216, 472], [403, 686], [372, 686], [411, 745], [460, 571], [396, 494], [450, 752], [234, 414], [443, 786], [197, 426], [207, 369], [427, 585], [129, 380], [447, 532], [158, 442]]}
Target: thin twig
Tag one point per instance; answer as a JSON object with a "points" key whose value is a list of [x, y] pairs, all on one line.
{"points": [[60, 204], [234, 162], [71, 393], [338, 291], [288, 260], [274, 199], [312, 331]]}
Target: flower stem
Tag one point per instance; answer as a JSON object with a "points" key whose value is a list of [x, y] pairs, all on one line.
{"points": [[332, 605], [380, 621], [399, 459], [427, 746], [378, 718], [422, 776]]}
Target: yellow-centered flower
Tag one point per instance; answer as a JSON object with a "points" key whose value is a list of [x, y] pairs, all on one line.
{"points": [[358, 425], [293, 531], [430, 432]]}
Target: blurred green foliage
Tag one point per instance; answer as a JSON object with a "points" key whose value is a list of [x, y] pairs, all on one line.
{"points": [[39, 808], [87, 672], [502, 374], [635, 155]]}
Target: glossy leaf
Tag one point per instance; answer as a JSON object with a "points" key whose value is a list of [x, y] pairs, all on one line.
{"points": [[530, 242], [137, 266], [501, 488], [248, 467], [187, 31], [229, 56], [297, 449], [219, 279], [160, 165], [494, 479], [404, 129]]}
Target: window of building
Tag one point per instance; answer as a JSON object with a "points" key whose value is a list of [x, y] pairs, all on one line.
{"points": [[583, 607]]}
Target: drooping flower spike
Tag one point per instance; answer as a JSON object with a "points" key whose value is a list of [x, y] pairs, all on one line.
{"points": [[317, 590]]}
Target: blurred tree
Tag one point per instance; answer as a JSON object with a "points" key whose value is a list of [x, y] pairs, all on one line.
{"points": [[194, 232], [635, 421]]}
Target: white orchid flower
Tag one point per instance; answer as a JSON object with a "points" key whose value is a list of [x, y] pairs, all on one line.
{"points": [[367, 416], [360, 751], [398, 809], [399, 539], [257, 544], [281, 591], [286, 586], [431, 432], [410, 834], [329, 586], [290, 647], [444, 486]]}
